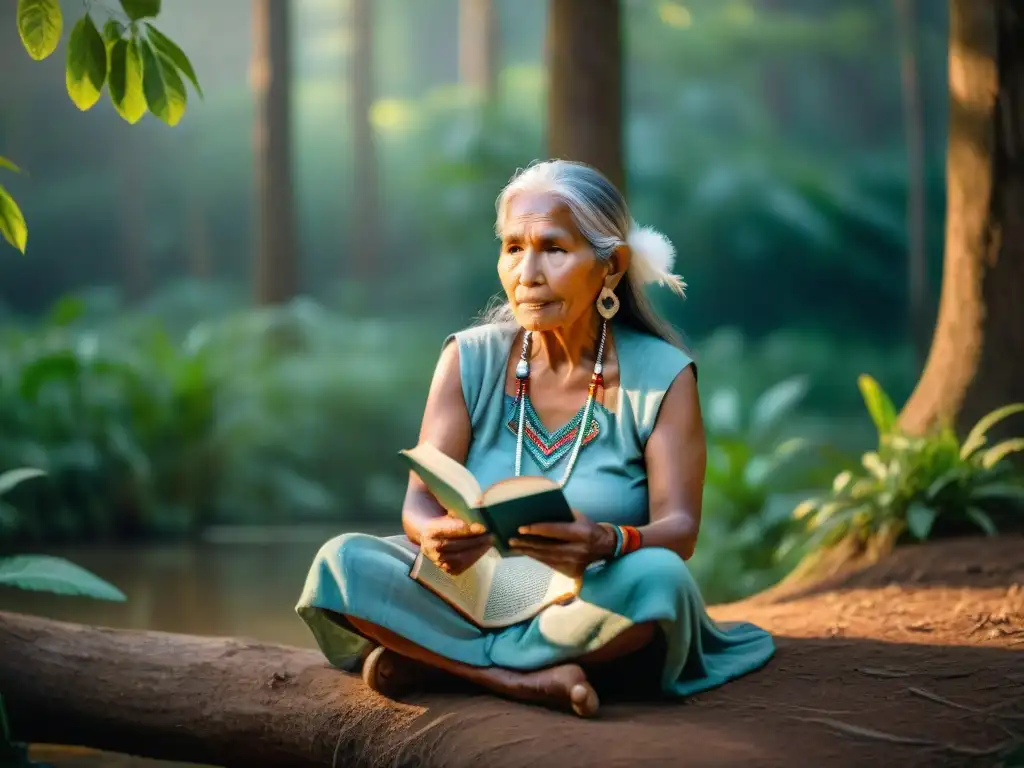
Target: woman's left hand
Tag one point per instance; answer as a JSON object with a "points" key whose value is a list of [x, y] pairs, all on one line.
{"points": [[566, 547]]}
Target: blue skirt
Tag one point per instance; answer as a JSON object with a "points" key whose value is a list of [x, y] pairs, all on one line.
{"points": [[367, 577]]}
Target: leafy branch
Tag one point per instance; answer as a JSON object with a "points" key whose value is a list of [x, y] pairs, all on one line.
{"points": [[142, 69]]}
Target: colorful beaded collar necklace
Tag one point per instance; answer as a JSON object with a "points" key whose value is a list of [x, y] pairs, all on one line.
{"points": [[549, 449]]}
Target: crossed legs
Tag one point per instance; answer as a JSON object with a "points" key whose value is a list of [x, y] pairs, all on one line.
{"points": [[398, 663]]}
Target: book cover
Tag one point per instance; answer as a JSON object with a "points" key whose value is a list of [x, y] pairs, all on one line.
{"points": [[502, 508]]}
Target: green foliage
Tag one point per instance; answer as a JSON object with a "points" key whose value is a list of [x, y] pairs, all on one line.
{"points": [[142, 67], [40, 23], [86, 69], [757, 468], [42, 574], [162, 85], [126, 78], [56, 575], [12, 221], [141, 9], [13, 477], [912, 488], [285, 413]]}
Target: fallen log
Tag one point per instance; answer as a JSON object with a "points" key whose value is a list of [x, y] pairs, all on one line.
{"points": [[218, 701], [911, 662]]}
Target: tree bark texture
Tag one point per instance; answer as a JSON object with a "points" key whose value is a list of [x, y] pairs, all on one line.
{"points": [[478, 46], [216, 701], [585, 84], [277, 274], [917, 202], [976, 362]]}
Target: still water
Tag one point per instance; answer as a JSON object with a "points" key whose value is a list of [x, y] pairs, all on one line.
{"points": [[242, 583]]}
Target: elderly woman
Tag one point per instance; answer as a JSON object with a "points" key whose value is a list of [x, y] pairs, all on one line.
{"points": [[610, 409]]}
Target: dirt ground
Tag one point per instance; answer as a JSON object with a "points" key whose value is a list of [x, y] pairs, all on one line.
{"points": [[918, 661]]}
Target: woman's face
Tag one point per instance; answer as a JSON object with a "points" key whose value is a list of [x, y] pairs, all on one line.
{"points": [[548, 270]]}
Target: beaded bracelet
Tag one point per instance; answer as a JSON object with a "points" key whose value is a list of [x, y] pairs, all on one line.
{"points": [[619, 540], [632, 539], [627, 539]]}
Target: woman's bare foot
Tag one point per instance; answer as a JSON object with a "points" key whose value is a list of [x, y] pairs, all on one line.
{"points": [[561, 687]]}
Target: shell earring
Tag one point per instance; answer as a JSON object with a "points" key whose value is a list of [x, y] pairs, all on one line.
{"points": [[607, 303]]}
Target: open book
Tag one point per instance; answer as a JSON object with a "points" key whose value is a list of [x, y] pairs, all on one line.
{"points": [[497, 591], [502, 508]]}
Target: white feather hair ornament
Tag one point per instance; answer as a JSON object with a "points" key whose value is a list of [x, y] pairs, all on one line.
{"points": [[653, 256]]}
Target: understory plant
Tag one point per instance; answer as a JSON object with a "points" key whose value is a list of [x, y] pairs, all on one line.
{"points": [[40, 573], [910, 488], [757, 470]]}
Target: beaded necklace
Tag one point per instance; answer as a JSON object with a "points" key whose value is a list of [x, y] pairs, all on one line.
{"points": [[581, 430]]}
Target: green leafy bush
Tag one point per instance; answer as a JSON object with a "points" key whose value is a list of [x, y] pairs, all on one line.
{"points": [[279, 414], [757, 469], [912, 488]]}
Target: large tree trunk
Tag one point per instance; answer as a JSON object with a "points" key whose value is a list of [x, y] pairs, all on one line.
{"points": [[364, 253], [276, 279], [478, 47], [976, 362], [585, 84], [917, 204]]}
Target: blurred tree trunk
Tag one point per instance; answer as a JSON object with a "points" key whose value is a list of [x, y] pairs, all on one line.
{"points": [[584, 48], [478, 47], [197, 238], [365, 235], [133, 219], [277, 274], [917, 204], [776, 82], [976, 362]]}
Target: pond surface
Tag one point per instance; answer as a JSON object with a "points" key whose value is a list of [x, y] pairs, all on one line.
{"points": [[241, 583]]}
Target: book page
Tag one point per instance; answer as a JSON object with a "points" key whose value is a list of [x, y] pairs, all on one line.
{"points": [[452, 484], [521, 587], [466, 592], [517, 487]]}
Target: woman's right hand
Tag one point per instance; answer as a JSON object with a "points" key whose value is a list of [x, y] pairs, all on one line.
{"points": [[452, 544]]}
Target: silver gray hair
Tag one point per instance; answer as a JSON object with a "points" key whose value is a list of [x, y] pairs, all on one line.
{"points": [[600, 213]]}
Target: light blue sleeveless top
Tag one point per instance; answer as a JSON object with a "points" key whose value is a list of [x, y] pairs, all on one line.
{"points": [[609, 482]]}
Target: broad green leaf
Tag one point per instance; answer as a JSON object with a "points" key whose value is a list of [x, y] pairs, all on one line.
{"points": [[841, 481], [1000, 491], [13, 477], [942, 482], [920, 520], [164, 90], [777, 401], [5, 163], [113, 31], [977, 436], [879, 406], [43, 573], [170, 50], [981, 519], [141, 9], [126, 80], [40, 24], [86, 70], [12, 222], [1000, 451]]}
